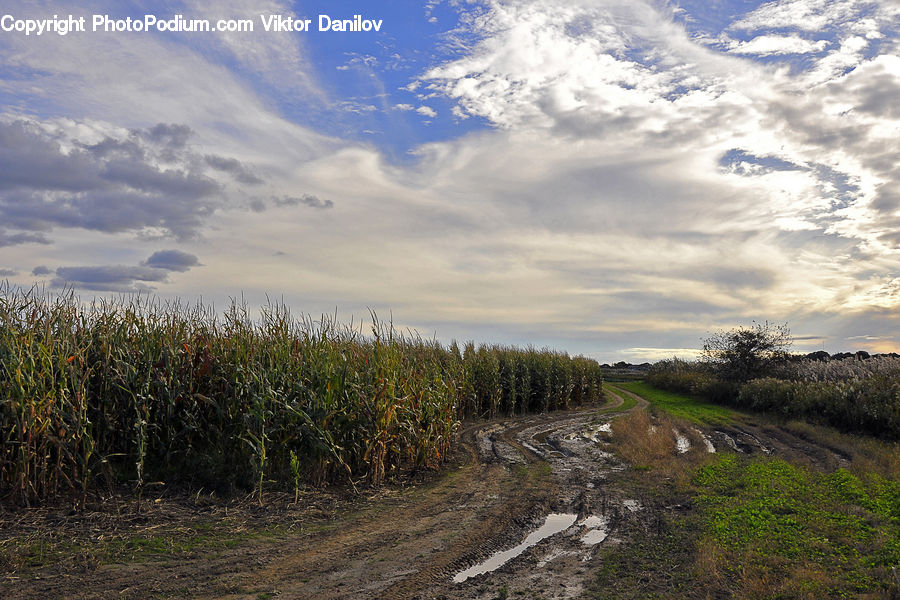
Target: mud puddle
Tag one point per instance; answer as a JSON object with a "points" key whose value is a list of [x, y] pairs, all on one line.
{"points": [[597, 529], [553, 524]]}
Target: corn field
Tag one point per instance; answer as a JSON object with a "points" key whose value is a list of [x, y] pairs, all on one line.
{"points": [[135, 392]]}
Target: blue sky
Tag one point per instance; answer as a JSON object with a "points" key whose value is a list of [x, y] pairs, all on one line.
{"points": [[612, 179]]}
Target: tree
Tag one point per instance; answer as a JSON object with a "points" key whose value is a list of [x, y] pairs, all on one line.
{"points": [[747, 352]]}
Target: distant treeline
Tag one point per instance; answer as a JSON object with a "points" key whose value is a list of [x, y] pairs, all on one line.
{"points": [[137, 392], [855, 392]]}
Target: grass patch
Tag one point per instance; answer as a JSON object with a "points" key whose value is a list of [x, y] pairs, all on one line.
{"points": [[628, 401], [737, 526], [868, 454], [192, 542], [649, 442], [761, 528], [679, 405], [805, 534], [533, 473]]}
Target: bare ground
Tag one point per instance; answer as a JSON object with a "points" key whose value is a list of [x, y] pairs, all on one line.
{"points": [[404, 543]]}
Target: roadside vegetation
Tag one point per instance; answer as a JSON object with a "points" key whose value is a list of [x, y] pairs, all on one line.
{"points": [[751, 526], [139, 393], [679, 405], [750, 368]]}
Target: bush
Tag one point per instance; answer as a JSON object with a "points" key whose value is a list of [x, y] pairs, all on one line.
{"points": [[744, 353], [850, 394]]}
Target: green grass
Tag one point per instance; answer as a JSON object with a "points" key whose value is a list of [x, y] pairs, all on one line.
{"points": [[762, 528], [835, 534], [533, 472], [628, 402], [679, 405], [199, 540]]}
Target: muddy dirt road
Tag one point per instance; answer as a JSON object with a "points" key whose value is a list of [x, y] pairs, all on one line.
{"points": [[522, 513]]}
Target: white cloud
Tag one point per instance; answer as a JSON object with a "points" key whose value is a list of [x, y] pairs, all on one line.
{"points": [[767, 45], [540, 65], [655, 354], [278, 59], [806, 15], [596, 211]]}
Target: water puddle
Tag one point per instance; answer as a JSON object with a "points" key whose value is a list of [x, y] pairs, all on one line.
{"points": [[592, 434], [632, 505], [706, 441], [682, 444], [596, 529], [555, 523], [594, 536]]}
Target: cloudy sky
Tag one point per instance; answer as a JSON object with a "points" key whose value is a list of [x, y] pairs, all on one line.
{"points": [[613, 179]]}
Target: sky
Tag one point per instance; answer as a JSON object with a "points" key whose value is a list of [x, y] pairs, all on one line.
{"points": [[612, 179]]}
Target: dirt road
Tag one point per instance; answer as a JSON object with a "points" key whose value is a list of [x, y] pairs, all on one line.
{"points": [[515, 481]]}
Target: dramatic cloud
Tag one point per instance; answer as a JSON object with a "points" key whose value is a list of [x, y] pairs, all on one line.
{"points": [[14, 239], [171, 260], [136, 181], [109, 278], [120, 278], [233, 166], [30, 159]]}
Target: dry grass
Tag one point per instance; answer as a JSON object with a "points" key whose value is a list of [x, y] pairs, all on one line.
{"points": [[648, 442], [867, 454], [643, 441], [708, 564]]}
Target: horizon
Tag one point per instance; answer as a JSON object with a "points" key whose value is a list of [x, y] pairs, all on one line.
{"points": [[610, 181]]}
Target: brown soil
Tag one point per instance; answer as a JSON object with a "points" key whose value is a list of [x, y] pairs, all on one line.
{"points": [[401, 542]]}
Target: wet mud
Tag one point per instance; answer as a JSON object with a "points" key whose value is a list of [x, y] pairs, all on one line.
{"points": [[524, 508]]}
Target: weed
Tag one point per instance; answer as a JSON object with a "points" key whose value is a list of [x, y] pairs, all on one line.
{"points": [[798, 530]]}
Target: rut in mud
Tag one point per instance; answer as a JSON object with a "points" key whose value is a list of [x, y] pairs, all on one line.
{"points": [[525, 509]]}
